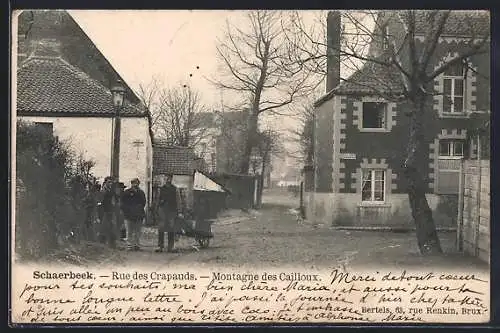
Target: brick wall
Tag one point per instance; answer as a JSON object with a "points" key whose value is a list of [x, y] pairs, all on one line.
{"points": [[474, 215]]}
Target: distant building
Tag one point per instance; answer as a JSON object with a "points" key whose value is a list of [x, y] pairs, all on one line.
{"points": [[221, 139]]}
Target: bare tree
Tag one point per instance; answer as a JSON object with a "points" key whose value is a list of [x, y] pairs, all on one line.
{"points": [[303, 135], [256, 65], [148, 95], [177, 113], [408, 54]]}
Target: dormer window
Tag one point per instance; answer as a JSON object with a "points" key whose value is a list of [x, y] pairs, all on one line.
{"points": [[454, 89]]}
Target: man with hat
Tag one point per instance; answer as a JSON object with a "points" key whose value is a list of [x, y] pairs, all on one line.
{"points": [[133, 203], [168, 210]]}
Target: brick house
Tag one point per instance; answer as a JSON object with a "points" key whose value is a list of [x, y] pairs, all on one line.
{"points": [[62, 83], [360, 136]]}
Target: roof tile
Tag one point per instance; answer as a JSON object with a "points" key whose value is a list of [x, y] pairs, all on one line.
{"points": [[373, 78], [51, 85], [172, 160]]}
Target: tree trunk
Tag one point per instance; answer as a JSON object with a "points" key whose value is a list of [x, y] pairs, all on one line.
{"points": [[428, 240], [250, 141], [261, 180]]}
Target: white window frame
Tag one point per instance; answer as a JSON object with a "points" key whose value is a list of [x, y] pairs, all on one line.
{"points": [[451, 148], [384, 128], [385, 37], [453, 79], [372, 180]]}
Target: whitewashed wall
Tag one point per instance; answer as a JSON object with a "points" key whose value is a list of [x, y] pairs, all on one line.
{"points": [[92, 137]]}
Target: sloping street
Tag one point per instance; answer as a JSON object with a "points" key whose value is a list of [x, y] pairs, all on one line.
{"points": [[274, 237]]}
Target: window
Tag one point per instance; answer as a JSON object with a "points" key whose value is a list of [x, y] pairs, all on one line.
{"points": [[374, 115], [373, 186], [451, 148], [454, 89], [385, 37], [47, 127]]}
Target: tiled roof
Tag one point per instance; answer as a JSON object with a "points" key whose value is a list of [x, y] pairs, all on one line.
{"points": [[459, 22], [378, 79], [76, 46], [372, 79], [50, 85], [172, 160]]}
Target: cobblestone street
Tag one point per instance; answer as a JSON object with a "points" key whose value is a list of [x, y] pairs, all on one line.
{"points": [[274, 237]]}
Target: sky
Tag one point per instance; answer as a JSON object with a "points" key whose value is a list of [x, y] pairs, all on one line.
{"points": [[166, 44]]}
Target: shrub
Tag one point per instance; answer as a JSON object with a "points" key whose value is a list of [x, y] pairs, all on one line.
{"points": [[51, 181]]}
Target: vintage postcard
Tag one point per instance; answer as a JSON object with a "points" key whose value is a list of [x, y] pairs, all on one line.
{"points": [[225, 167]]}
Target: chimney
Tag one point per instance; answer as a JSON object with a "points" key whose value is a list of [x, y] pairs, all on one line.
{"points": [[333, 27]]}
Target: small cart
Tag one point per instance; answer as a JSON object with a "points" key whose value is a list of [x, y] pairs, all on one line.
{"points": [[199, 229], [208, 199]]}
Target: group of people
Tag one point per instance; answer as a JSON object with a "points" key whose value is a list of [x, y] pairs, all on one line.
{"points": [[120, 213]]}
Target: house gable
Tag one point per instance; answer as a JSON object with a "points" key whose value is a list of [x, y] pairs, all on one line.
{"points": [[75, 46], [362, 157]]}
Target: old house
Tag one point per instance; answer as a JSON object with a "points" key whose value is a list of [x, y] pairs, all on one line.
{"points": [[63, 84], [206, 132], [220, 140], [197, 191], [361, 136]]}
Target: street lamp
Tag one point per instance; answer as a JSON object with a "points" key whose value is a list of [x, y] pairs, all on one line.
{"points": [[118, 95]]}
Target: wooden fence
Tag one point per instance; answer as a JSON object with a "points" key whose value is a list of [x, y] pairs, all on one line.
{"points": [[243, 189], [474, 209]]}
